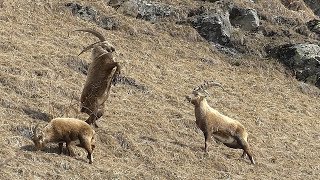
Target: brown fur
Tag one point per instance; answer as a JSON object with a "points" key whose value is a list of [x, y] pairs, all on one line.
{"points": [[224, 129], [100, 74], [60, 130]]}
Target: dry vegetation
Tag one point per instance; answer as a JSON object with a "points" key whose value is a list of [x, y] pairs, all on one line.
{"points": [[146, 133]]}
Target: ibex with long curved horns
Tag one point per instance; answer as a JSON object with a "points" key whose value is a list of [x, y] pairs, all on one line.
{"points": [[212, 123], [100, 74]]}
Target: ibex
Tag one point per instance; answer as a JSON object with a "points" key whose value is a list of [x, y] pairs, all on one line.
{"points": [[212, 123], [100, 74], [60, 130]]}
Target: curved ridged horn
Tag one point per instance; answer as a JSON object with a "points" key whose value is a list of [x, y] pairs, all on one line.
{"points": [[206, 85], [88, 47], [95, 33]]}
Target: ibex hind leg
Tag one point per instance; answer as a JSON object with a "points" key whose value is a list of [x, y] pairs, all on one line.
{"points": [[94, 117], [70, 150], [245, 146], [91, 119], [207, 139], [243, 154], [99, 115], [60, 147]]}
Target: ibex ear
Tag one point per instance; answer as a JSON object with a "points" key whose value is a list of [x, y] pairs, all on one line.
{"points": [[202, 97]]}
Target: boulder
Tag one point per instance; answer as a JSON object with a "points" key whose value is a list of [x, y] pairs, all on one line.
{"points": [[108, 23], [153, 11], [246, 19], [314, 5], [314, 25], [115, 3], [90, 14], [304, 59], [84, 12], [129, 8], [146, 10], [214, 26]]}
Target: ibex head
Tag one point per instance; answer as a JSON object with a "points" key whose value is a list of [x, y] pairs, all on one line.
{"points": [[198, 92], [109, 48]]}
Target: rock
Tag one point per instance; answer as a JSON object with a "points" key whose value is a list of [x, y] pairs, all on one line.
{"points": [[287, 21], [115, 3], [213, 25], [129, 8], [108, 23], [146, 10], [314, 5], [314, 25], [227, 50], [153, 11], [84, 12], [294, 5], [246, 19], [90, 14], [306, 54], [304, 59]]}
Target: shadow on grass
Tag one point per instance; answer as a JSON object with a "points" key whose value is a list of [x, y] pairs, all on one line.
{"points": [[177, 143], [46, 149], [29, 147], [192, 148], [50, 148], [54, 150], [37, 114], [151, 139]]}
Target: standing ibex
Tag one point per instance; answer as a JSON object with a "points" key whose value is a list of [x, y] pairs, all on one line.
{"points": [[60, 130], [100, 74], [224, 129]]}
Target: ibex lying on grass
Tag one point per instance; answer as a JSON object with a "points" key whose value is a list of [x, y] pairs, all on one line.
{"points": [[224, 129], [66, 130], [100, 74]]}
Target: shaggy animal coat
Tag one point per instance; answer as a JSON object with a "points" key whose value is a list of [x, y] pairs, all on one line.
{"points": [[98, 83], [100, 74], [224, 129], [60, 130]]}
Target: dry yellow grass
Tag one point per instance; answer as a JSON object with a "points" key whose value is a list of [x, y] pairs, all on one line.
{"points": [[146, 134]]}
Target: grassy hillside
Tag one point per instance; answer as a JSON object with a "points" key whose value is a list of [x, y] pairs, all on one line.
{"points": [[148, 130]]}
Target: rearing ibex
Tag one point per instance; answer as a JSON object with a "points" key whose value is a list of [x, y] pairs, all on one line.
{"points": [[224, 129], [100, 74]]}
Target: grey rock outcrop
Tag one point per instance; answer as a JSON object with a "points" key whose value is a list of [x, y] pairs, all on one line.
{"points": [[90, 14], [212, 25], [84, 12], [146, 10], [246, 19], [304, 59], [314, 25], [314, 5]]}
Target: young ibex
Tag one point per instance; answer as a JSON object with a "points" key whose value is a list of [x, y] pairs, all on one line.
{"points": [[60, 130], [100, 74], [224, 129]]}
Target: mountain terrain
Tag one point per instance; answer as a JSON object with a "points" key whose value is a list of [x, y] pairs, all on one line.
{"points": [[165, 49]]}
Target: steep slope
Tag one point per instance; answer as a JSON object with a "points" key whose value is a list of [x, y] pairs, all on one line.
{"points": [[148, 130]]}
